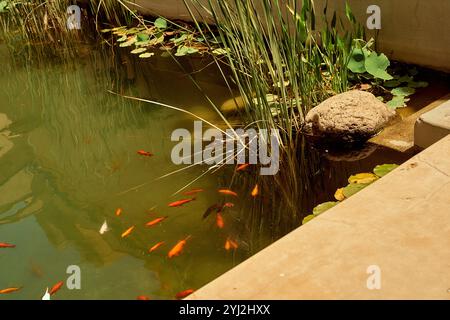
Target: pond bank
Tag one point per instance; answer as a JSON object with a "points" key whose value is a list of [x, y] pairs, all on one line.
{"points": [[404, 233]]}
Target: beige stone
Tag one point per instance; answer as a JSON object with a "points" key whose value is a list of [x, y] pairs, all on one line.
{"points": [[352, 115], [400, 223]]}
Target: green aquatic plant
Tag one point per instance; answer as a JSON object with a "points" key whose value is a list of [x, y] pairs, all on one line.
{"points": [[356, 183], [162, 34]]}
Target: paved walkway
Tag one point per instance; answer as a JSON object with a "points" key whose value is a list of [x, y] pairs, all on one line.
{"points": [[400, 224]]}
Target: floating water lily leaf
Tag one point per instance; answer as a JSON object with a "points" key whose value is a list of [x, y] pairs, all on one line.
{"points": [[356, 62], [138, 50], [353, 188], [362, 178], [403, 91], [418, 84], [143, 37], [3, 5], [384, 169], [321, 208], [180, 39], [146, 55], [184, 50], [397, 102], [157, 40], [122, 39], [376, 65], [392, 83], [161, 23], [129, 42], [339, 194], [308, 218]]}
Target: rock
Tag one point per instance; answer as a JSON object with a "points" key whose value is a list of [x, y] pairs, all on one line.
{"points": [[352, 116]]}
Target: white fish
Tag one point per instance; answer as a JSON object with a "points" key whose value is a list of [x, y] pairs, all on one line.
{"points": [[104, 228], [46, 295]]}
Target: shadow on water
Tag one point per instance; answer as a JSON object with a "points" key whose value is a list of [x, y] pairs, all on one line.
{"points": [[68, 160]]}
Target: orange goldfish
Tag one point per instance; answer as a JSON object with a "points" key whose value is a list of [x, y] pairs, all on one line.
{"points": [[255, 191], [9, 290], [193, 191], [230, 244], [228, 192], [180, 202], [242, 166], [56, 287], [142, 298], [118, 211], [128, 231], [145, 153], [156, 246], [229, 204], [155, 221], [178, 248], [219, 220], [7, 245], [184, 294]]}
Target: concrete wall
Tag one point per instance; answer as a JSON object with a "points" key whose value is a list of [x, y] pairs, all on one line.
{"points": [[413, 31]]}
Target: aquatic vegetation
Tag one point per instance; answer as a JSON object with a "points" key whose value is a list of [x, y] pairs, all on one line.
{"points": [[177, 38], [356, 183]]}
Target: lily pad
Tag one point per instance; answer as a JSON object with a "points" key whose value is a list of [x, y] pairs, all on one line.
{"points": [[363, 178], [418, 84], [376, 65], [356, 62], [392, 83], [321, 208], [339, 194], [384, 169], [138, 50], [308, 218], [128, 43], [397, 102], [146, 55], [403, 91], [353, 188], [161, 23]]}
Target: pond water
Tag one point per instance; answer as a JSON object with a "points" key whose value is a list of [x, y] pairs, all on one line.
{"points": [[68, 160]]}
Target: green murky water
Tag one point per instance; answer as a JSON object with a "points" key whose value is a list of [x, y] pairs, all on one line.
{"points": [[68, 160]]}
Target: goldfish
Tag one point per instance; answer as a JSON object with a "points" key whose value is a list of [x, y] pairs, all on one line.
{"points": [[56, 287], [242, 167], [208, 211], [145, 153], [155, 221], [156, 246], [228, 204], [7, 245], [118, 211], [219, 220], [230, 244], [178, 248], [193, 191], [255, 191], [180, 202], [128, 232], [228, 192], [184, 294], [142, 298], [9, 290]]}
